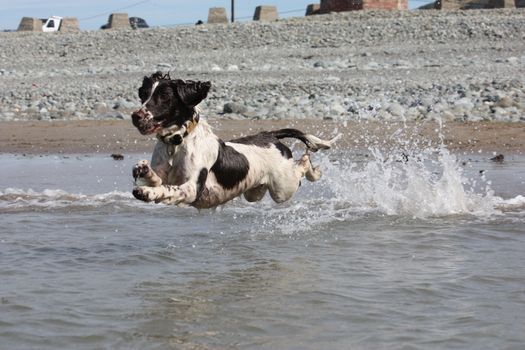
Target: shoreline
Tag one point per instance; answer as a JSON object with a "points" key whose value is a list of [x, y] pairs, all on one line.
{"points": [[120, 137]]}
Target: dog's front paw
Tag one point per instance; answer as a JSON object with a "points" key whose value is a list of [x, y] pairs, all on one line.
{"points": [[144, 194], [141, 169], [144, 175]]}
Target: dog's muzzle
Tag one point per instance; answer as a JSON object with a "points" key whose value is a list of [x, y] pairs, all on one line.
{"points": [[144, 121]]}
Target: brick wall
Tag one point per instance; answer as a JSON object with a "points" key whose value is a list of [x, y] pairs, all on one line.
{"points": [[385, 4], [475, 4], [350, 5]]}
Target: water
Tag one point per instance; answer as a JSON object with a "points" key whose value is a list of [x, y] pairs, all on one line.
{"points": [[389, 250]]}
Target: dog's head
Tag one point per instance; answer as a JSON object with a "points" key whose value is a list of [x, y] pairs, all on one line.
{"points": [[167, 102]]}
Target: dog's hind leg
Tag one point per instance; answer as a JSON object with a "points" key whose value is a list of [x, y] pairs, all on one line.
{"points": [[309, 171], [255, 194]]}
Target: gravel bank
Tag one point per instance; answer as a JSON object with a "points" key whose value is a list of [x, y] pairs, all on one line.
{"points": [[412, 65]]}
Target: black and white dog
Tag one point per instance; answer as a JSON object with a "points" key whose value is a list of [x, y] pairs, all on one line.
{"points": [[192, 166]]}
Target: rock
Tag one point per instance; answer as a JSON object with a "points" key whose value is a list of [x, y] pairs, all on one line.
{"points": [[117, 156], [396, 109], [232, 107], [337, 109], [498, 159], [124, 104], [164, 66], [99, 107], [402, 64], [505, 102], [464, 104], [113, 115], [371, 66]]}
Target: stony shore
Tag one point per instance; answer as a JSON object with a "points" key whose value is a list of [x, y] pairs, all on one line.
{"points": [[411, 65]]}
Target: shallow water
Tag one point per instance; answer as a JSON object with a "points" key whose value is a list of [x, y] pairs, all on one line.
{"points": [[387, 251]]}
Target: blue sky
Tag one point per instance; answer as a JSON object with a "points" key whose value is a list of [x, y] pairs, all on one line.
{"points": [[93, 13]]}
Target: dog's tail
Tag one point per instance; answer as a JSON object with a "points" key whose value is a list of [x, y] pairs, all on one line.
{"points": [[312, 142]]}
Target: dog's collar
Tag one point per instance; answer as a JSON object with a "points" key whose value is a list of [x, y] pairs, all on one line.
{"points": [[177, 137]]}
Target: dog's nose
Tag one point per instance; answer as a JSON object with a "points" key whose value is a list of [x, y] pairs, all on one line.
{"points": [[138, 116]]}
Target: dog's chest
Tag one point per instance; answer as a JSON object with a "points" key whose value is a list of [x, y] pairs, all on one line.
{"points": [[184, 162]]}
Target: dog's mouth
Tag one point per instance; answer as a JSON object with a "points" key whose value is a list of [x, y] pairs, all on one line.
{"points": [[145, 122]]}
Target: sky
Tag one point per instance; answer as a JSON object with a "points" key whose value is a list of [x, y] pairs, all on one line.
{"points": [[94, 13]]}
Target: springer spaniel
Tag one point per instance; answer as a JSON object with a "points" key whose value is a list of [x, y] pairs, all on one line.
{"points": [[192, 166]]}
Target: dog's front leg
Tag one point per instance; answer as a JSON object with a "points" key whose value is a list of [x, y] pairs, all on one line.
{"points": [[157, 173], [144, 175], [187, 193], [167, 194]]}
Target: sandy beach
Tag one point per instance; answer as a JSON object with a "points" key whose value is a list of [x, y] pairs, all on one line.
{"points": [[119, 136]]}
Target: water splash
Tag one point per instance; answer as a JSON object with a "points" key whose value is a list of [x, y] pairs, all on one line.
{"points": [[407, 182], [421, 185]]}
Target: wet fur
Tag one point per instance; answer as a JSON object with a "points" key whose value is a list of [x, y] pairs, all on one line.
{"points": [[191, 166]]}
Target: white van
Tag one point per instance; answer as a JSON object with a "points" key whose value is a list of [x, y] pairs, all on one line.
{"points": [[52, 24]]}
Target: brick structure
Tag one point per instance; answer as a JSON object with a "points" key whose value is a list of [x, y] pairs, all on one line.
{"points": [[474, 4], [265, 13], [118, 21], [496, 4], [30, 24], [351, 5], [217, 15]]}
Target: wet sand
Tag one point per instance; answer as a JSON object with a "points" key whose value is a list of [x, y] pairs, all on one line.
{"points": [[85, 136]]}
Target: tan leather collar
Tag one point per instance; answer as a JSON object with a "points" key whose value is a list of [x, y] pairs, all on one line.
{"points": [[177, 137]]}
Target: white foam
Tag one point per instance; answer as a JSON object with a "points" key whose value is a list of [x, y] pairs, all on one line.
{"points": [[55, 198], [516, 203]]}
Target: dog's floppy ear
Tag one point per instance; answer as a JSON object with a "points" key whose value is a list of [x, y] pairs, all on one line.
{"points": [[191, 93], [146, 84], [158, 75]]}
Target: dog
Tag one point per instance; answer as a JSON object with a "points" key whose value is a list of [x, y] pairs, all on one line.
{"points": [[191, 166]]}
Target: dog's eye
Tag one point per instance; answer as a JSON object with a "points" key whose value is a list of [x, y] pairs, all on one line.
{"points": [[164, 97]]}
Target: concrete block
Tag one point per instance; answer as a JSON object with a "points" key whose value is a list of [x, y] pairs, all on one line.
{"points": [[118, 21], [30, 24], [217, 15], [313, 9], [265, 13], [69, 25]]}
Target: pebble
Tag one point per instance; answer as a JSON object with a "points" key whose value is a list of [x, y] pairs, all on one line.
{"points": [[232, 107]]}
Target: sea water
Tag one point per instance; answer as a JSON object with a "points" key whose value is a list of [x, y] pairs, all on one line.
{"points": [[389, 250]]}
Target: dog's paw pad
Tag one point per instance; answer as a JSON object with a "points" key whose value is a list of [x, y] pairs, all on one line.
{"points": [[141, 169], [141, 194]]}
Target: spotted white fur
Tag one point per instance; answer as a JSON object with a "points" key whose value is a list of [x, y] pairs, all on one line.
{"points": [[173, 176]]}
